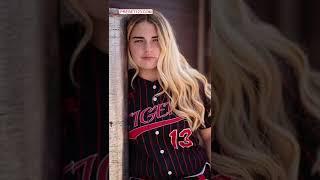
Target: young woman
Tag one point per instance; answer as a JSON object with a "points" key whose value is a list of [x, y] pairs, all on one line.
{"points": [[266, 99], [168, 104]]}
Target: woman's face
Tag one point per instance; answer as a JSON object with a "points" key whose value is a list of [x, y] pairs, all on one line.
{"points": [[144, 46]]}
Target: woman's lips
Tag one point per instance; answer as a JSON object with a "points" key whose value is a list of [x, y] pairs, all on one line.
{"points": [[148, 58]]}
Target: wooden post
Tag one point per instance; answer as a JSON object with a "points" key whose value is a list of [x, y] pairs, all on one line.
{"points": [[118, 151]]}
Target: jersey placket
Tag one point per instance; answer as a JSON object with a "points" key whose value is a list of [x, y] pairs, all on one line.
{"points": [[153, 102], [163, 149], [170, 171]]}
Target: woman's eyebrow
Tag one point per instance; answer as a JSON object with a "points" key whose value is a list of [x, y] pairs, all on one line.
{"points": [[139, 37]]}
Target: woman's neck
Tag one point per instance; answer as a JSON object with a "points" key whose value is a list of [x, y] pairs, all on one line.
{"points": [[150, 75]]}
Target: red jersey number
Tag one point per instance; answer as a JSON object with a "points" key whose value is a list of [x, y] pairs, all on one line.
{"points": [[185, 134]]}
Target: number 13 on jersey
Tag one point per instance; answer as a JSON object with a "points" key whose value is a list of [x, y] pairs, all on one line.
{"points": [[185, 134]]}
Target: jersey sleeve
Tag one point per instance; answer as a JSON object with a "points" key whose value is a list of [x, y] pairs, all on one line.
{"points": [[208, 118]]}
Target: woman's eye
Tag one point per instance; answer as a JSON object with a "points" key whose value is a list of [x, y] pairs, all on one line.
{"points": [[155, 40], [138, 41]]}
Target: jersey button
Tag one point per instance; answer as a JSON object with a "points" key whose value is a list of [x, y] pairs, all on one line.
{"points": [[169, 172], [161, 151], [154, 87], [155, 99], [157, 132]]}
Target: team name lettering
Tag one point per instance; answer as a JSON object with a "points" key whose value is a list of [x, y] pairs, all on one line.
{"points": [[149, 114]]}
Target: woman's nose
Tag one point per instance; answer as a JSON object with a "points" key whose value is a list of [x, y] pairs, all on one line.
{"points": [[148, 47]]}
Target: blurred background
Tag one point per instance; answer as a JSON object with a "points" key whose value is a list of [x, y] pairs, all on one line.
{"points": [[296, 19]]}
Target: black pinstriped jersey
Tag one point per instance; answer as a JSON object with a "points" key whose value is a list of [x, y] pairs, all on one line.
{"points": [[161, 144]]}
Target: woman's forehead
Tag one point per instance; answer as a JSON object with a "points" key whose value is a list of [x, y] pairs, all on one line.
{"points": [[144, 29]]}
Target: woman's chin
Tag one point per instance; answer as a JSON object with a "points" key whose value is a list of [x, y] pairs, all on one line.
{"points": [[148, 68]]}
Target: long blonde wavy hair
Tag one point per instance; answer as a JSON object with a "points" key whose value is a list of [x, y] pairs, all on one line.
{"points": [[179, 81], [255, 131]]}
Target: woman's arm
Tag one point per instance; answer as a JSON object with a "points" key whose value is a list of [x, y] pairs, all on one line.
{"points": [[206, 137]]}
